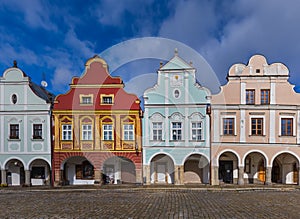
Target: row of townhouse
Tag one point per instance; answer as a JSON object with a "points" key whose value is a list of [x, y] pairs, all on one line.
{"points": [[97, 133]]}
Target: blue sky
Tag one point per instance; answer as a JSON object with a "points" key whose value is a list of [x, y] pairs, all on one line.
{"points": [[55, 38]]}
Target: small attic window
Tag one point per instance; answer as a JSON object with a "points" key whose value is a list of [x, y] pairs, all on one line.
{"points": [[107, 99], [257, 70], [14, 99]]}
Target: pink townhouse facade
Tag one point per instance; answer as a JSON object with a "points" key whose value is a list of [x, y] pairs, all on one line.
{"points": [[256, 127]]}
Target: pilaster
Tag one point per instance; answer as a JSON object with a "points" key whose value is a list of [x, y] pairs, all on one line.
{"points": [[241, 176], [3, 177]]}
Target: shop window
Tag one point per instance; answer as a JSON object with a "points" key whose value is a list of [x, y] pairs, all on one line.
{"points": [[38, 172], [84, 171]]}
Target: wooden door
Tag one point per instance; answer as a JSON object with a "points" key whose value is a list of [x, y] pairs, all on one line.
{"points": [[295, 173], [261, 172]]}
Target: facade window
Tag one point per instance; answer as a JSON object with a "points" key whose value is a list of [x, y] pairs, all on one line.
{"points": [[250, 96], [107, 99], [176, 131], [66, 132], [257, 126], [37, 131], [107, 132], [86, 132], [265, 96], [86, 100], [14, 131], [176, 93], [128, 131], [14, 98], [286, 126], [157, 131], [196, 131], [228, 126]]}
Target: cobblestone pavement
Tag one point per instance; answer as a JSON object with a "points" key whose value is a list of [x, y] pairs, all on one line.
{"points": [[149, 203]]}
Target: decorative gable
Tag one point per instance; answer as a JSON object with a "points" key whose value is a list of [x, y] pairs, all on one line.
{"points": [[176, 63]]}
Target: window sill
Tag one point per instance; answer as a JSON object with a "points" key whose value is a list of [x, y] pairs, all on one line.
{"points": [[14, 139], [229, 135], [286, 136], [257, 135], [37, 139], [176, 140], [196, 140], [64, 140], [157, 140]]}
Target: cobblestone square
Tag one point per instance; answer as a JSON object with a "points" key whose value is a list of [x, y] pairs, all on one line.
{"points": [[148, 203]]}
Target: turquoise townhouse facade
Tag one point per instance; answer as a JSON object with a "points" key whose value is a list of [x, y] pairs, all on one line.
{"points": [[25, 129], [176, 146]]}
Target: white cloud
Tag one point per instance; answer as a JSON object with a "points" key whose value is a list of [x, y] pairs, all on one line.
{"points": [[84, 48], [230, 34], [21, 54], [36, 13]]}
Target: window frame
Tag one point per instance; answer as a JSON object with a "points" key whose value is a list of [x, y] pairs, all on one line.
{"points": [[69, 132], [256, 126], [107, 132], [227, 128], [37, 128], [86, 132], [84, 97], [250, 97], [14, 133], [197, 129], [291, 126], [177, 132], [265, 100], [128, 134], [158, 136], [103, 96]]}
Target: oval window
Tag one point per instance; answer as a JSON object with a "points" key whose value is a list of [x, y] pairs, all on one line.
{"points": [[14, 98], [176, 93]]}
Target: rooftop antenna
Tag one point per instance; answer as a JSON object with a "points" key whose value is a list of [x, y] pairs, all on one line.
{"points": [[44, 82]]}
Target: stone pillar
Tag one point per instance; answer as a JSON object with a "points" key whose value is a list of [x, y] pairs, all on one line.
{"points": [[298, 176], [241, 176], [176, 175], [139, 177], [268, 176], [147, 174], [27, 178], [181, 174], [98, 176], [214, 175], [3, 177]]}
